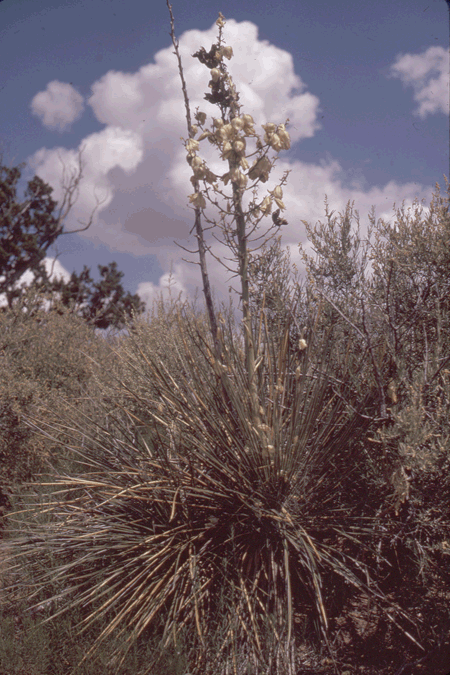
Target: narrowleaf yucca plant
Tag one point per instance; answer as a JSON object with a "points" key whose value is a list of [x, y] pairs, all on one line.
{"points": [[224, 502], [193, 530]]}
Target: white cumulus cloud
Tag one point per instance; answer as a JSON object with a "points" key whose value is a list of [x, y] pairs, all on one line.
{"points": [[151, 99], [137, 163], [111, 148], [428, 74], [58, 106]]}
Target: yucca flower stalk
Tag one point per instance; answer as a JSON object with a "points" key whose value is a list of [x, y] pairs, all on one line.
{"points": [[229, 133]]}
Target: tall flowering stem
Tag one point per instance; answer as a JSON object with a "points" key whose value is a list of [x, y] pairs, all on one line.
{"points": [[229, 133]]}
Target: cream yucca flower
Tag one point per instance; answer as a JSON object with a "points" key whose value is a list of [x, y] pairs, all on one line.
{"points": [[248, 120], [198, 200], [239, 178], [266, 206], [243, 163], [205, 134], [269, 128], [226, 51], [284, 137], [215, 74], [275, 142], [239, 146], [225, 133], [196, 162], [277, 136], [237, 123], [191, 145], [278, 192], [229, 130], [227, 150], [260, 169]]}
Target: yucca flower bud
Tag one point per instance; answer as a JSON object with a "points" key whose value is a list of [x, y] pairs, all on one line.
{"points": [[220, 21], [205, 134], [194, 129]]}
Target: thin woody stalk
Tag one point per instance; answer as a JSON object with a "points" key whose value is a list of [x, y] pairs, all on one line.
{"points": [[246, 312], [243, 259], [198, 222]]}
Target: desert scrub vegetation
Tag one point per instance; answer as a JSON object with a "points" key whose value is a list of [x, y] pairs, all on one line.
{"points": [[261, 489], [46, 361]]}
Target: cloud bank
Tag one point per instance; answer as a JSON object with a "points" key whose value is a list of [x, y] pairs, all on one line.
{"points": [[428, 74], [137, 164]]}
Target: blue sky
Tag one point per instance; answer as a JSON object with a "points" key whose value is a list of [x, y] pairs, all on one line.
{"points": [[365, 86]]}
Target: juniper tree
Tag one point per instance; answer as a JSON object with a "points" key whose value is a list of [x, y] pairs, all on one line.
{"points": [[30, 227]]}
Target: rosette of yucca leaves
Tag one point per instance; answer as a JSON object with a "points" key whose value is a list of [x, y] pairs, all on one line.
{"points": [[187, 522]]}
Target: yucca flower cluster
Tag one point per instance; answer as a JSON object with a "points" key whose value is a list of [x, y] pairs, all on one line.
{"points": [[229, 136]]}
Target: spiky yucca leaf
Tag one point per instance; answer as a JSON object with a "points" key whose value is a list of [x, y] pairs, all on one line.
{"points": [[186, 519]]}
